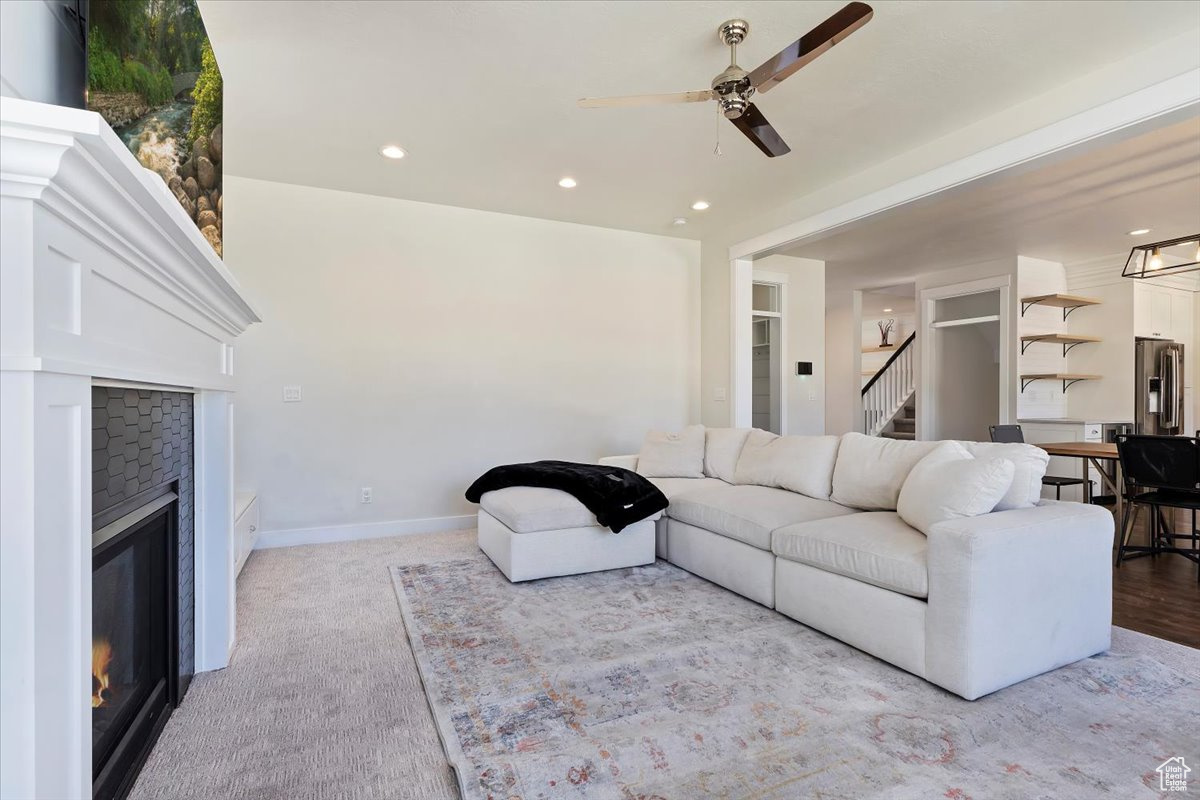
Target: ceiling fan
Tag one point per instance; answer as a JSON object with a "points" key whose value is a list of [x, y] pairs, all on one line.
{"points": [[734, 87]]}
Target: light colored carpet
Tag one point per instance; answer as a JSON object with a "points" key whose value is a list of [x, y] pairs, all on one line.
{"points": [[653, 683], [323, 699]]}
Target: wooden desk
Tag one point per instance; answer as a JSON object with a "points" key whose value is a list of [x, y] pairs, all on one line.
{"points": [[1093, 452]]}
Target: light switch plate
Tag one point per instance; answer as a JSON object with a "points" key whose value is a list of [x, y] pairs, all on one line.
{"points": [[292, 394], [719, 394]]}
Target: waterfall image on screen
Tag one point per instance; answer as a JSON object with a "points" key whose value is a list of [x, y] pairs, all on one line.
{"points": [[153, 77]]}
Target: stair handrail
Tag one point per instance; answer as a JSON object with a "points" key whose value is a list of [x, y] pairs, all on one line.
{"points": [[890, 361]]}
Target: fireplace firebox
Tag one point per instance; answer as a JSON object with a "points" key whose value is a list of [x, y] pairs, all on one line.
{"points": [[134, 636]]}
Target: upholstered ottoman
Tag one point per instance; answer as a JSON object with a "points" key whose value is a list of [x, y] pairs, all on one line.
{"points": [[532, 533]]}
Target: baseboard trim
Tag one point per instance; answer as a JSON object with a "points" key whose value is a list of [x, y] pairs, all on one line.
{"points": [[292, 537]]}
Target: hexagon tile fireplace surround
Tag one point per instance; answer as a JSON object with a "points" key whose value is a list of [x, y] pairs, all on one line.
{"points": [[104, 282]]}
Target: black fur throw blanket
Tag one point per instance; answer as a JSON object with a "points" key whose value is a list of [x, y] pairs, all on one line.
{"points": [[618, 497]]}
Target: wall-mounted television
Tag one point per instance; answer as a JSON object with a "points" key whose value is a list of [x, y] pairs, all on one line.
{"points": [[153, 77]]}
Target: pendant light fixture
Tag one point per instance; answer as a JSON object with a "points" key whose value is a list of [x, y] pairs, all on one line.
{"points": [[1170, 257]]}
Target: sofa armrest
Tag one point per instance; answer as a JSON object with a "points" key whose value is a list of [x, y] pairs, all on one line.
{"points": [[1016, 593], [628, 462]]}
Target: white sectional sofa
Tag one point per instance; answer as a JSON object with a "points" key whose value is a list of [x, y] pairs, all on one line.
{"points": [[809, 526]]}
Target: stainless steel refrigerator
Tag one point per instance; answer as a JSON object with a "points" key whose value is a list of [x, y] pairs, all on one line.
{"points": [[1158, 404]]}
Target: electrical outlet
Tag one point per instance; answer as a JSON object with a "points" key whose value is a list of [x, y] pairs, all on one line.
{"points": [[366, 495], [292, 394], [812, 397], [719, 394]]}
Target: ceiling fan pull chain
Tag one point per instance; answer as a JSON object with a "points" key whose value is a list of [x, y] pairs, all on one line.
{"points": [[717, 149]]}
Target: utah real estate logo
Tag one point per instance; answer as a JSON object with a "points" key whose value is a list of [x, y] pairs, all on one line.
{"points": [[1172, 775]]}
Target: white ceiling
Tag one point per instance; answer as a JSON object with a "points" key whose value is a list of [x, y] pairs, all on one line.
{"points": [[1076, 210], [482, 94], [896, 299]]}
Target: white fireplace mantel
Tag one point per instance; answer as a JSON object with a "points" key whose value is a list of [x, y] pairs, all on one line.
{"points": [[102, 277]]}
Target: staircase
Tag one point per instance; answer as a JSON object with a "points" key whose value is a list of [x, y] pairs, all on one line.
{"points": [[889, 398], [904, 424]]}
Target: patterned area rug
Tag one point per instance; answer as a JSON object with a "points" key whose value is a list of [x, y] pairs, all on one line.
{"points": [[653, 683]]}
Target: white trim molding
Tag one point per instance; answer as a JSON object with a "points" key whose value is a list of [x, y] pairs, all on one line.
{"points": [[741, 371], [291, 537]]}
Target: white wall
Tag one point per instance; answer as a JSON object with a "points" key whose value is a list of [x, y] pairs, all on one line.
{"points": [[969, 385], [843, 362], [433, 342], [1111, 398], [1043, 399], [41, 58]]}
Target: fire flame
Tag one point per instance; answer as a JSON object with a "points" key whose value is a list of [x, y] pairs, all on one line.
{"points": [[101, 657]]}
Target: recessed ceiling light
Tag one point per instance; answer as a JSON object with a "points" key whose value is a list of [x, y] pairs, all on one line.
{"points": [[392, 151], [567, 183], [679, 221], [887, 311], [699, 205], [1139, 232]]}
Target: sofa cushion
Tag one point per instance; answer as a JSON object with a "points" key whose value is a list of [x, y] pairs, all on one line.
{"points": [[1029, 467], [722, 446], [870, 470], [801, 464], [950, 484], [673, 455], [874, 547], [528, 509], [673, 487], [749, 513]]}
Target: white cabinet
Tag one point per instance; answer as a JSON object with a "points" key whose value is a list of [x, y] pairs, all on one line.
{"points": [[245, 527], [1155, 309]]}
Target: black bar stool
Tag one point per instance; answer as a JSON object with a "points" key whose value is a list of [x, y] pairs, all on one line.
{"points": [[1011, 434]]}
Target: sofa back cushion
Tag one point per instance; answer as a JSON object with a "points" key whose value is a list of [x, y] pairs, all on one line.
{"points": [[802, 464], [870, 470], [950, 483], [673, 455], [722, 446], [1029, 467]]}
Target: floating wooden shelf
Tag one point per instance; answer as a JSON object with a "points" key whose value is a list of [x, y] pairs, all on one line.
{"points": [[1067, 378], [1067, 302], [1065, 339], [891, 348]]}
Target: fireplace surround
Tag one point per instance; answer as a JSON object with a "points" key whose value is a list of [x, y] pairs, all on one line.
{"points": [[103, 281], [143, 584]]}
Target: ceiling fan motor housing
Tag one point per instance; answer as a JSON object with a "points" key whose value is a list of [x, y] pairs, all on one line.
{"points": [[732, 87]]}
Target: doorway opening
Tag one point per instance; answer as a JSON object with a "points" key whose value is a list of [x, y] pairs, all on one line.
{"points": [[767, 355], [966, 380]]}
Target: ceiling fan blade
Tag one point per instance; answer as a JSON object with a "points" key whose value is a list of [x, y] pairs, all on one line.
{"points": [[810, 45], [758, 130], [646, 99]]}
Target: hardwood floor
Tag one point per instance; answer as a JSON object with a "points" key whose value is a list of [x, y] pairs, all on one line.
{"points": [[1158, 595]]}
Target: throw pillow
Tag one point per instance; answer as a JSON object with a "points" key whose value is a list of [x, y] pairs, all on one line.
{"points": [[722, 446], [802, 464], [673, 455], [871, 469], [951, 484], [1029, 463]]}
